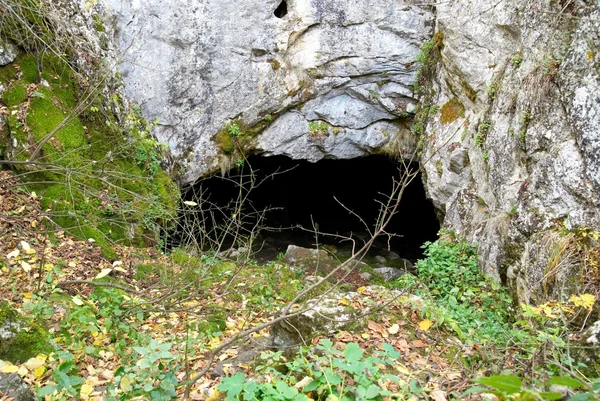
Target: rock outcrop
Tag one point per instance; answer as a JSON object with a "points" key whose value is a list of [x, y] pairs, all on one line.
{"points": [[512, 149], [509, 116], [330, 79]]}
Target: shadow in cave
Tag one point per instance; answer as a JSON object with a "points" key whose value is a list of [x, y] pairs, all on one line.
{"points": [[298, 194]]}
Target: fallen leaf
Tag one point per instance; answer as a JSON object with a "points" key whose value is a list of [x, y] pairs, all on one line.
{"points": [[394, 329], [303, 382], [26, 266], [419, 344], [360, 290], [425, 324], [13, 254], [365, 336], [9, 369], [34, 363], [86, 390], [344, 301], [104, 273], [438, 395], [39, 372], [22, 371], [25, 246], [125, 383], [77, 301], [190, 203]]}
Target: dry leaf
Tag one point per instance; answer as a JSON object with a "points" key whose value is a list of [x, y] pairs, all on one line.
{"points": [[394, 329], [104, 273], [425, 324]]}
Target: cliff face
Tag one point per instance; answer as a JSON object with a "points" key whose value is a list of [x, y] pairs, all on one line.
{"points": [[518, 169], [327, 79], [510, 110]]}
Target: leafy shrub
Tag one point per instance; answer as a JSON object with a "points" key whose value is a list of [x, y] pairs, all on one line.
{"points": [[325, 373]]}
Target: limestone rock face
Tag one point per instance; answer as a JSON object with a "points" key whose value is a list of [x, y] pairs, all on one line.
{"points": [[517, 168], [330, 79]]}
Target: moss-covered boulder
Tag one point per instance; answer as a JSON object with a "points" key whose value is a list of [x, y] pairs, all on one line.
{"points": [[97, 168], [20, 339]]}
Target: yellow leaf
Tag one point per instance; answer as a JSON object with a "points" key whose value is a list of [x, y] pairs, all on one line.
{"points": [[125, 383], [9, 369], [34, 363], [585, 301], [30, 251], [39, 372], [27, 295], [344, 301], [215, 396], [360, 290], [25, 246], [394, 329], [22, 371], [103, 273], [86, 390], [365, 335], [13, 254], [425, 324], [77, 301]]}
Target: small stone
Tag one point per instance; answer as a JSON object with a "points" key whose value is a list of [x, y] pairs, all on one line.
{"points": [[393, 256], [389, 273], [380, 259], [8, 53], [366, 276]]}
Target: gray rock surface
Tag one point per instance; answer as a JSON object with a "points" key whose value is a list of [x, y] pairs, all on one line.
{"points": [[389, 273], [13, 387], [521, 164], [347, 65], [8, 52]]}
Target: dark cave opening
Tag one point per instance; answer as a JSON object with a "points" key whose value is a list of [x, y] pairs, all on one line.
{"points": [[297, 194], [281, 10]]}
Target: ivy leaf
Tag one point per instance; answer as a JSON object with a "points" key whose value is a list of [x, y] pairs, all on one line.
{"points": [[506, 383]]}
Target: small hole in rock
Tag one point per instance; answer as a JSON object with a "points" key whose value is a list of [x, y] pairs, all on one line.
{"points": [[281, 10]]}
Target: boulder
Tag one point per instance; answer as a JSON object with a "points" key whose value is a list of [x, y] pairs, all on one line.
{"points": [[389, 273], [307, 257], [13, 387], [19, 338], [326, 314]]}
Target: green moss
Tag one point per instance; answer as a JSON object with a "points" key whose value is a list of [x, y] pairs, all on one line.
{"points": [[451, 110], [27, 340], [7, 73], [14, 95], [98, 23], [29, 69], [224, 141], [469, 91]]}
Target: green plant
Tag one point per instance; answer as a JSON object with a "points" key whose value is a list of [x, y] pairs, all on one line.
{"points": [[318, 128], [511, 387], [485, 156], [330, 374], [268, 118], [517, 60], [234, 130], [492, 90]]}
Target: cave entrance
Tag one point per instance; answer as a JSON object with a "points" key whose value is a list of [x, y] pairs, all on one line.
{"points": [[289, 198]]}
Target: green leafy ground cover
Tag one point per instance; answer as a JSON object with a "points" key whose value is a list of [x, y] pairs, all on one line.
{"points": [[141, 327]]}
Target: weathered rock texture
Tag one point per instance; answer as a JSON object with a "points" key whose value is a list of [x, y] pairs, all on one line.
{"points": [[511, 150], [513, 154], [331, 79]]}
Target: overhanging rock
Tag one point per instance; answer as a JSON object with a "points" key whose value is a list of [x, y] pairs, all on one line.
{"points": [[329, 79]]}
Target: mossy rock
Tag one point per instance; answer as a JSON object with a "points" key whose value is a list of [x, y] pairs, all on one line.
{"points": [[451, 110], [20, 339], [98, 188]]}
